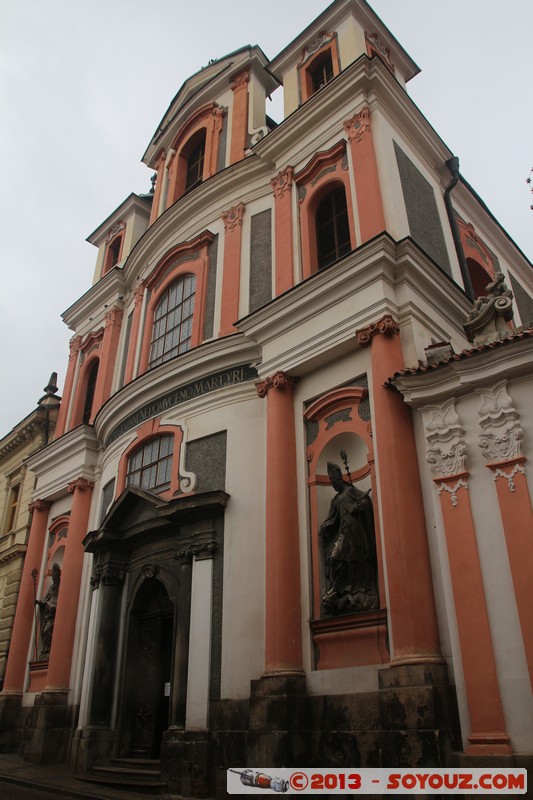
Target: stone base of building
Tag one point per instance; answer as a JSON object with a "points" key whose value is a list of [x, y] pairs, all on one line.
{"points": [[13, 718], [48, 729], [410, 720]]}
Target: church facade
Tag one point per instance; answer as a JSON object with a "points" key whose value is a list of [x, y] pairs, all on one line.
{"points": [[289, 490]]}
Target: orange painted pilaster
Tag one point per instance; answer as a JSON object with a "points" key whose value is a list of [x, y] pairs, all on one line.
{"points": [[411, 602], [20, 647], [283, 635], [282, 186], [366, 177], [517, 519], [75, 345], [160, 169], [69, 590], [138, 295], [239, 120], [108, 358], [488, 734], [231, 278]]}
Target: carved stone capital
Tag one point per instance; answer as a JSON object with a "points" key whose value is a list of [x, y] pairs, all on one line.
{"points": [[113, 317], [201, 546], [240, 81], [108, 574], [446, 448], [233, 217], [161, 158], [386, 326], [358, 126], [282, 183], [75, 346], [138, 293], [81, 484], [280, 381], [38, 505], [501, 432]]}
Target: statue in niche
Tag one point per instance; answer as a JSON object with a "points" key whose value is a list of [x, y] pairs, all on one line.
{"points": [[350, 549], [47, 608]]}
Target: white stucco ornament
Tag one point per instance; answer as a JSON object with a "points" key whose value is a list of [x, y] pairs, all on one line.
{"points": [[501, 432]]}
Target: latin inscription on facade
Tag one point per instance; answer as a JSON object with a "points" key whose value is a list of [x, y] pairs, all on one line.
{"points": [[219, 380]]}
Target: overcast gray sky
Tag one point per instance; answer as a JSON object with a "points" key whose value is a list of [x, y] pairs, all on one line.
{"points": [[84, 84]]}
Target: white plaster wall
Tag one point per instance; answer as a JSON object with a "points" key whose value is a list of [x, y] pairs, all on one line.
{"points": [[199, 647], [351, 41]]}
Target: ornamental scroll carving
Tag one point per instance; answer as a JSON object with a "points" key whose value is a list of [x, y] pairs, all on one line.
{"points": [[487, 321], [74, 346], [358, 126], [313, 47], [278, 381], [446, 450], [113, 317], [108, 574], [282, 183], [39, 505], [386, 326], [80, 483], [240, 81], [233, 217], [501, 431], [119, 226], [202, 546]]}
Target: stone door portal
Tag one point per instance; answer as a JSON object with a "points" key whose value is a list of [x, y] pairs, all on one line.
{"points": [[148, 672]]}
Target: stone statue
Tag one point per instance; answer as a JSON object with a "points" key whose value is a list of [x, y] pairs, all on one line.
{"points": [[350, 549], [47, 608]]}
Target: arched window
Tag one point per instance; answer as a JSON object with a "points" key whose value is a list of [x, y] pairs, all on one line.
{"points": [[113, 252], [321, 71], [89, 392], [173, 315], [150, 466], [194, 153], [332, 228]]}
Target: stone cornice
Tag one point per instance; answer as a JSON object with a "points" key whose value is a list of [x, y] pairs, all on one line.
{"points": [[380, 263], [331, 17], [23, 435], [464, 376], [198, 210], [88, 313], [366, 82], [17, 551], [72, 456], [197, 363]]}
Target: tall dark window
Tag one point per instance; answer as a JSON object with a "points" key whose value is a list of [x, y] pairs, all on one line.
{"points": [[89, 392], [12, 507], [173, 315], [150, 466], [114, 249], [195, 163], [332, 228], [321, 71]]}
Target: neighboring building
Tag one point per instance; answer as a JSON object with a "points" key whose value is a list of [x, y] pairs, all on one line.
{"points": [[16, 488], [288, 298]]}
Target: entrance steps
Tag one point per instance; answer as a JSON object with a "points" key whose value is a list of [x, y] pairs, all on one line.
{"points": [[135, 774]]}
